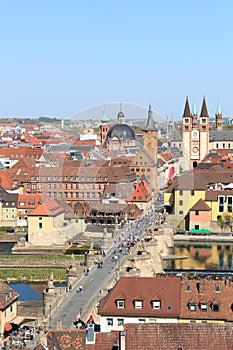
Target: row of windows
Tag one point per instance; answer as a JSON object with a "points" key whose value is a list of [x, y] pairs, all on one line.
{"points": [[137, 170], [12, 156], [204, 307], [181, 192], [138, 304], [12, 217], [88, 195], [189, 288], [187, 127], [120, 321], [31, 203], [222, 200], [223, 145], [66, 186], [9, 203], [68, 178]]}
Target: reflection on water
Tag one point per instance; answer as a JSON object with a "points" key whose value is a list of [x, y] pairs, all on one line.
{"points": [[32, 291], [5, 248], [29, 292], [202, 256]]}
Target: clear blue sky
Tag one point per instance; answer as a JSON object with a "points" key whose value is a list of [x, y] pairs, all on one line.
{"points": [[59, 57]]}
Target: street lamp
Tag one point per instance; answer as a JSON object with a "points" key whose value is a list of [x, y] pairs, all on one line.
{"points": [[50, 316], [115, 260]]}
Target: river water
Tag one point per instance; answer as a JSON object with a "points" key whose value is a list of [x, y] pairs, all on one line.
{"points": [[199, 256], [29, 291], [202, 256]]}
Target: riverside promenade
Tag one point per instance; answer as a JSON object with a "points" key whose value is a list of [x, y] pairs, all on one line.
{"points": [[204, 238]]}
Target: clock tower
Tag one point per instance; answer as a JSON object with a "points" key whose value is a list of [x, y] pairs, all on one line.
{"points": [[195, 135]]}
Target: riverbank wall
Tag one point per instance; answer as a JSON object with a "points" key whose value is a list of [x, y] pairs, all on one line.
{"points": [[207, 238]]}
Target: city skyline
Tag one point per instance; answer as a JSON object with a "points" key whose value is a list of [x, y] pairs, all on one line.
{"points": [[59, 59]]}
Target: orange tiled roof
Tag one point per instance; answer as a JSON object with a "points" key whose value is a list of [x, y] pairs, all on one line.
{"points": [[141, 191], [168, 290], [49, 208], [26, 201], [5, 180], [12, 295]]}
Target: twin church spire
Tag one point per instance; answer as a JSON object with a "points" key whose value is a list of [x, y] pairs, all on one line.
{"points": [[204, 113], [187, 111]]}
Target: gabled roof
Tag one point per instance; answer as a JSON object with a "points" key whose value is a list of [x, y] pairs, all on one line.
{"points": [[11, 295], [49, 208], [146, 287], [200, 206], [141, 193], [199, 179], [205, 291]]}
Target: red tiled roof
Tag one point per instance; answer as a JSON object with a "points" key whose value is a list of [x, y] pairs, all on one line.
{"points": [[20, 152], [167, 288], [205, 291], [141, 193], [11, 295], [5, 180], [30, 201], [49, 208]]}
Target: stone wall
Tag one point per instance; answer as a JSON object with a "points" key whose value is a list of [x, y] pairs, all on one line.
{"points": [[31, 310]]}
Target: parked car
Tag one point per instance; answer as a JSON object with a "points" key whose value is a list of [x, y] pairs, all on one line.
{"points": [[10, 230]]}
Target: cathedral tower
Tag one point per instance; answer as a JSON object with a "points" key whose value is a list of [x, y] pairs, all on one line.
{"points": [[204, 131], [195, 135], [186, 134]]}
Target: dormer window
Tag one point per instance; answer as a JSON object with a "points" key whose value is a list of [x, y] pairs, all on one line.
{"points": [[120, 304], [156, 304], [217, 288], [188, 288], [138, 304], [204, 307], [192, 307], [215, 307], [6, 296]]}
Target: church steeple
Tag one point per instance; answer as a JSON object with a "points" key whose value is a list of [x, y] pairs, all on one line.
{"points": [[204, 112], [104, 126], [218, 112], [194, 114], [104, 118], [218, 117], [150, 125], [187, 112], [194, 107]]}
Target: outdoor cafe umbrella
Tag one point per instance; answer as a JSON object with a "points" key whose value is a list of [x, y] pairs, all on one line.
{"points": [[200, 231]]}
